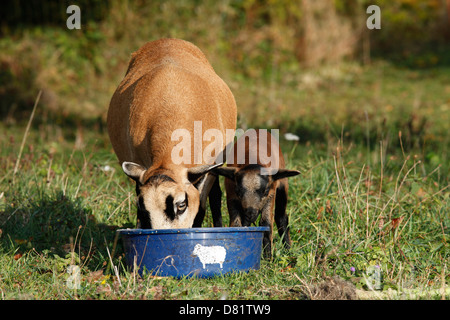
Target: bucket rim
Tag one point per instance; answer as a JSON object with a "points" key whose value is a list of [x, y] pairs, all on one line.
{"points": [[191, 230]]}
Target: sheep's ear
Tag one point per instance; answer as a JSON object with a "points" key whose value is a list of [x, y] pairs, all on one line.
{"points": [[284, 173], [133, 170], [195, 173], [227, 172]]}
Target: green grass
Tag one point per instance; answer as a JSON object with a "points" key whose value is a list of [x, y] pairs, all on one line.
{"points": [[62, 208]]}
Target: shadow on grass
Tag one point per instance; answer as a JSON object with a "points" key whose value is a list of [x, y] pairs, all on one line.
{"points": [[56, 224]]}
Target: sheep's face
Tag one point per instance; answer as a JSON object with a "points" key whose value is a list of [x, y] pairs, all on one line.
{"points": [[165, 204], [197, 249], [166, 198], [254, 189]]}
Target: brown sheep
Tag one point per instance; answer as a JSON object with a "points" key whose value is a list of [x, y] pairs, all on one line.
{"points": [[255, 187], [169, 85]]}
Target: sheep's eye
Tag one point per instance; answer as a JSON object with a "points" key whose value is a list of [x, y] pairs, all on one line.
{"points": [[181, 206]]}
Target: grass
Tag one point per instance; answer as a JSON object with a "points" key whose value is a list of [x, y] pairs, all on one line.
{"points": [[68, 197]]}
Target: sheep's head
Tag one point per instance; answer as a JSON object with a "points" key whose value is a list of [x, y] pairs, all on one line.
{"points": [[197, 249], [253, 188], [166, 197]]}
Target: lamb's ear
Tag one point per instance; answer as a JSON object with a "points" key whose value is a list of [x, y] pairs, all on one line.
{"points": [[195, 173], [284, 173], [133, 170], [227, 172]]}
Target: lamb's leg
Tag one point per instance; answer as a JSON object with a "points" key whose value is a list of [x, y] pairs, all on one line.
{"points": [[267, 220]]}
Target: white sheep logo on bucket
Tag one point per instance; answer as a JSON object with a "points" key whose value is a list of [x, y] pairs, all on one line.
{"points": [[210, 255]]}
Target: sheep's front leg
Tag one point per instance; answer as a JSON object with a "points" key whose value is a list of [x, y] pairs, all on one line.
{"points": [[215, 203], [204, 187], [235, 210], [267, 221]]}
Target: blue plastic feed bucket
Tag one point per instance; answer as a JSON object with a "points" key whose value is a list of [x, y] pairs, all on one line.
{"points": [[201, 252]]}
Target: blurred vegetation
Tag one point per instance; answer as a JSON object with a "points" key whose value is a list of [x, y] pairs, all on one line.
{"points": [[415, 30]]}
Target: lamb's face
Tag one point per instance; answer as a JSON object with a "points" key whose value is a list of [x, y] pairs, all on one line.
{"points": [[254, 186], [253, 190]]}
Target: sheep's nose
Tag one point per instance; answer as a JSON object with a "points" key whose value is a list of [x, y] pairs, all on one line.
{"points": [[250, 216]]}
